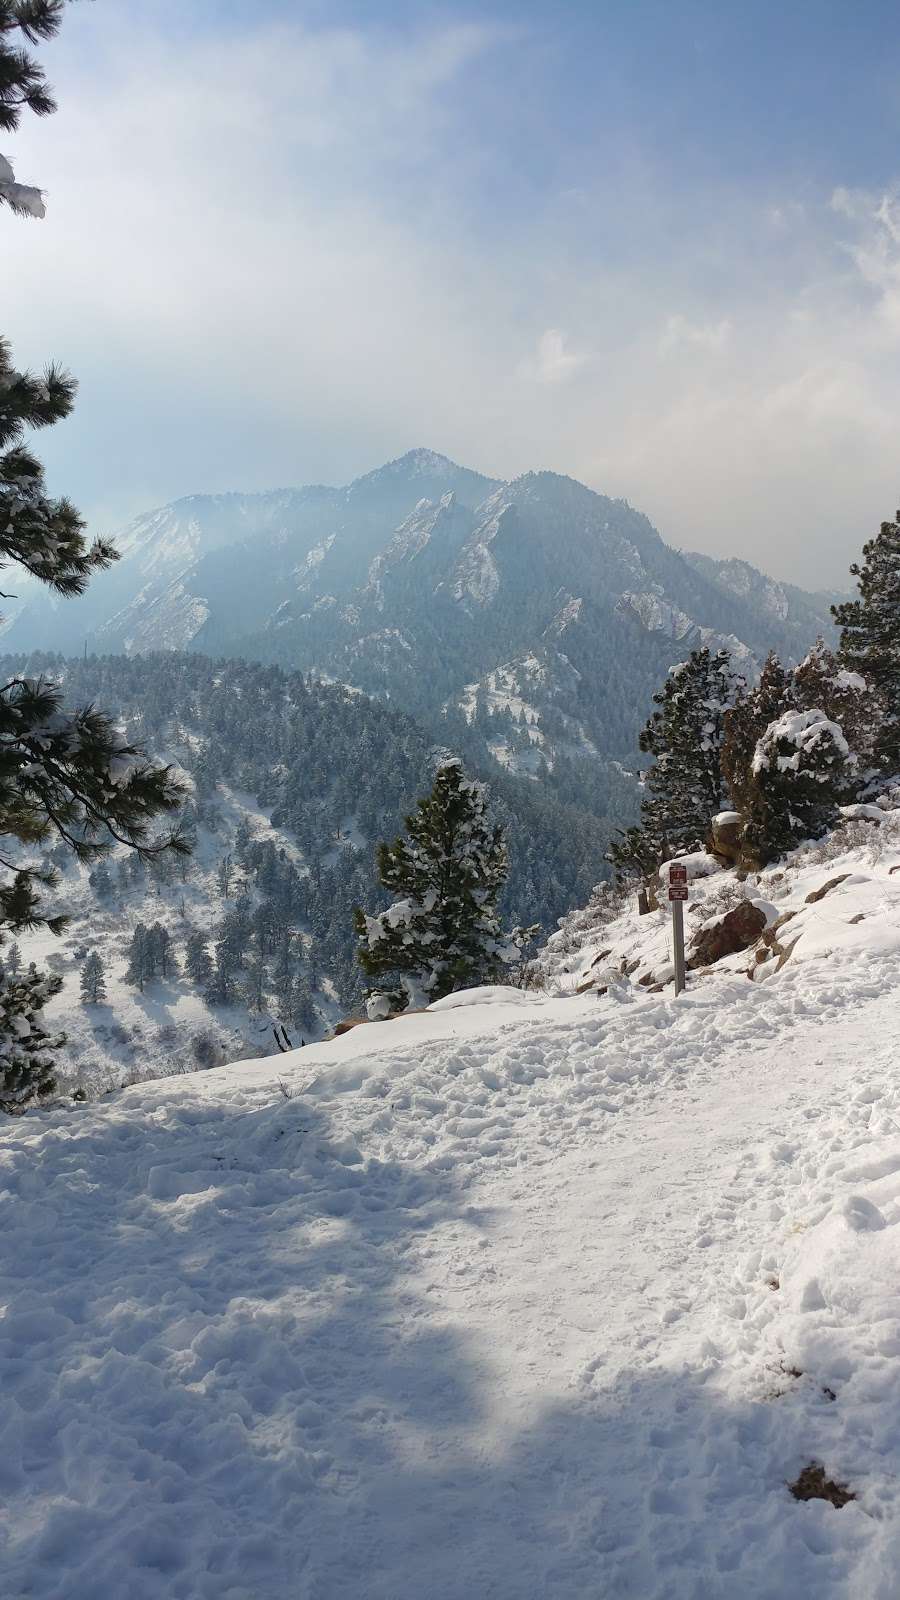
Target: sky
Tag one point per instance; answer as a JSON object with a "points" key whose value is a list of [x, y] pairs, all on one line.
{"points": [[653, 245]]}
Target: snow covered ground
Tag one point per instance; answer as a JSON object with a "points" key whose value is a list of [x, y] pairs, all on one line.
{"points": [[538, 1296]]}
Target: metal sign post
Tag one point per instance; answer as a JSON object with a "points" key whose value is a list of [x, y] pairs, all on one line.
{"points": [[678, 893]]}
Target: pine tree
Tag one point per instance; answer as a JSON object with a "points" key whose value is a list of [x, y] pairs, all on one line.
{"points": [[198, 962], [26, 1049], [100, 881], [255, 985], [744, 725], [795, 747], [224, 876], [93, 986], [870, 633], [801, 766], [847, 698], [684, 789], [22, 84], [450, 871], [302, 1010], [636, 852], [161, 960], [68, 775], [139, 968], [221, 989]]}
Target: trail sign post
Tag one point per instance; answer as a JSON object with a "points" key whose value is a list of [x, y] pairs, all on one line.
{"points": [[678, 893]]}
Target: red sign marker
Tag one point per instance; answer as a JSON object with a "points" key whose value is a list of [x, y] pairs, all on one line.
{"points": [[677, 873], [678, 891]]}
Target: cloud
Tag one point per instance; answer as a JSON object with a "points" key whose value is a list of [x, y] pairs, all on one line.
{"points": [[681, 334], [553, 361], [282, 254]]}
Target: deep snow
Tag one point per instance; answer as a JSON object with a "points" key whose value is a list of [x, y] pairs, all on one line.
{"points": [[521, 1298]]}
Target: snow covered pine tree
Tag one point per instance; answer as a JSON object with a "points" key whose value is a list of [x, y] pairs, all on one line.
{"points": [[69, 774], [797, 746], [801, 767], [870, 633], [684, 789], [444, 933]]}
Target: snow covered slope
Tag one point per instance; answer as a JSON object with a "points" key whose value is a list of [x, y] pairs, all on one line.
{"points": [[526, 1296], [829, 900]]}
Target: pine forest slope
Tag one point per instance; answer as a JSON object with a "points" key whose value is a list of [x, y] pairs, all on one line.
{"points": [[296, 782]]}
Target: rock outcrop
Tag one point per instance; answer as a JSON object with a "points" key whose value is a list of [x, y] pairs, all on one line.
{"points": [[725, 832], [737, 930]]}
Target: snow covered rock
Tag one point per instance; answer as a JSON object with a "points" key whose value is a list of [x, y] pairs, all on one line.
{"points": [[735, 931], [826, 888], [725, 836]]}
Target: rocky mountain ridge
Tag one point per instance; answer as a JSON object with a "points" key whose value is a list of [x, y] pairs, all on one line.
{"points": [[424, 582]]}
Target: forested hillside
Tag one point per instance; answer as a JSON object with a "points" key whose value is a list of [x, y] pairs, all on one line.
{"points": [[293, 784]]}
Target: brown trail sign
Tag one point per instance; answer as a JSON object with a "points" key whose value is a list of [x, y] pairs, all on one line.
{"points": [[678, 893]]}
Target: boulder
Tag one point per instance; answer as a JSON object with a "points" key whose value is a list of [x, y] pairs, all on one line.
{"points": [[725, 832], [341, 1028], [736, 931], [819, 894]]}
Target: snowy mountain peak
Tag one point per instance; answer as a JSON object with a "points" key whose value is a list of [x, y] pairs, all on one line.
{"points": [[419, 463]]}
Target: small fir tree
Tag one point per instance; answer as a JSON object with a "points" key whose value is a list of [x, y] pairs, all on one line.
{"points": [[161, 960], [139, 968], [100, 880], [745, 723], [636, 852], [255, 985], [93, 985], [197, 960], [870, 633], [684, 788], [221, 989], [302, 1010], [224, 876], [450, 870]]}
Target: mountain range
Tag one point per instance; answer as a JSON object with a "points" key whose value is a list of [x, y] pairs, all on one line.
{"points": [[537, 608]]}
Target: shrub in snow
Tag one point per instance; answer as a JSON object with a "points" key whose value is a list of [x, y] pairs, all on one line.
{"points": [[443, 934], [26, 1060], [795, 747], [801, 766], [206, 1048], [849, 699]]}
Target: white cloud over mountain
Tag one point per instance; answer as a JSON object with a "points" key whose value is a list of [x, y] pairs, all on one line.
{"points": [[270, 253]]}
